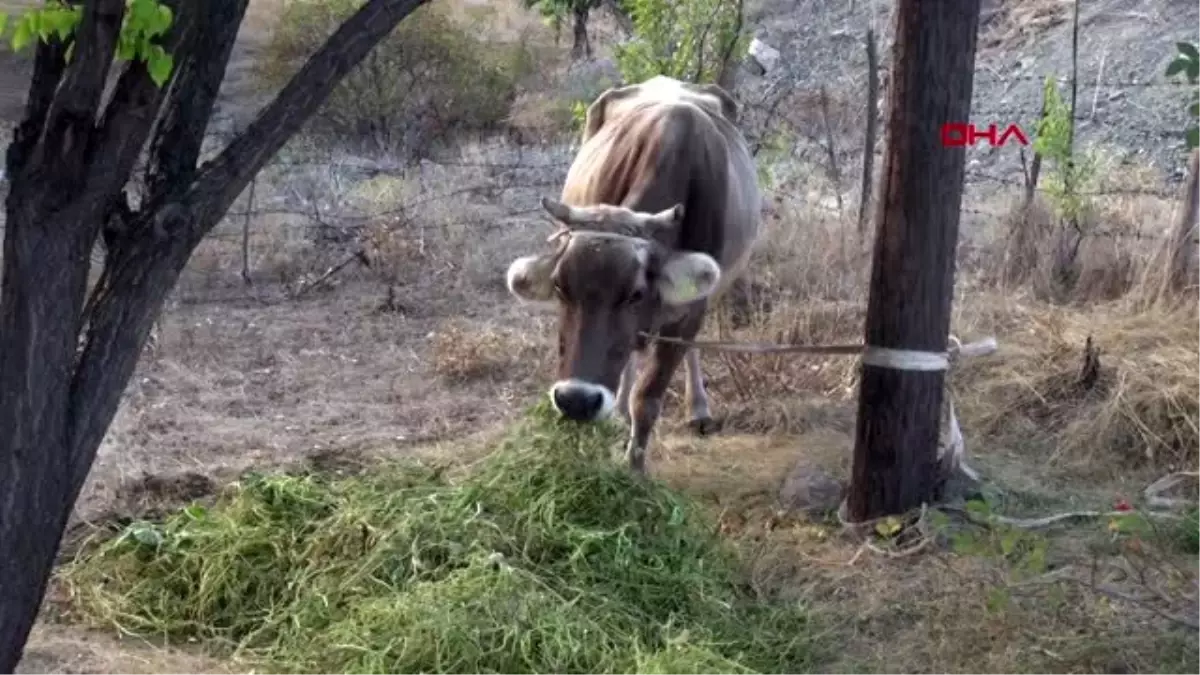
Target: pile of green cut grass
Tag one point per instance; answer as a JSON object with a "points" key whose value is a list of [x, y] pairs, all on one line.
{"points": [[547, 556]]}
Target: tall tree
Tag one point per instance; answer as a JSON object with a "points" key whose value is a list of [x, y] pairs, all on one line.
{"points": [[578, 11], [912, 277], [66, 354]]}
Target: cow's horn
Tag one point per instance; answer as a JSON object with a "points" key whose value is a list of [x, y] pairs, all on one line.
{"points": [[667, 218], [565, 213]]}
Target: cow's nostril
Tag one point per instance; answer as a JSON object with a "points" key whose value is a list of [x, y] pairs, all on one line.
{"points": [[577, 403]]}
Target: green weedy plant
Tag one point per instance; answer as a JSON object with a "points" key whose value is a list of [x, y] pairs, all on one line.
{"points": [[1022, 552], [689, 41], [1072, 171], [144, 21], [773, 155], [1188, 63], [1181, 534]]}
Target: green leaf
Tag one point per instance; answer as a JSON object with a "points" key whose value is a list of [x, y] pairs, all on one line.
{"points": [[21, 34], [126, 49], [159, 63], [70, 52], [978, 508], [3, 23], [1176, 67], [146, 535], [35, 22], [1188, 50], [1194, 109], [162, 20], [1193, 137], [70, 21], [141, 14], [888, 526]]}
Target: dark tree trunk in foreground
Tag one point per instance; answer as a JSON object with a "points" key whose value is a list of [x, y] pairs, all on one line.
{"points": [[912, 278], [66, 355]]}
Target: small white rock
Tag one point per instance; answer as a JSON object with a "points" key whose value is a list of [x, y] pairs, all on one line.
{"points": [[765, 55]]}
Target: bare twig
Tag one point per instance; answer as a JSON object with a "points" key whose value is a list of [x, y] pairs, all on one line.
{"points": [[246, 233], [1099, 80], [834, 173], [1153, 492], [1108, 591], [1068, 177], [872, 130], [359, 255]]}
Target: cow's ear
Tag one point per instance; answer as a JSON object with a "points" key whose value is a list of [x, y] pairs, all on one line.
{"points": [[597, 111], [729, 107], [688, 277], [528, 278]]}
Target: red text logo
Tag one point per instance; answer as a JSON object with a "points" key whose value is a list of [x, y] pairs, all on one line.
{"points": [[958, 134]]}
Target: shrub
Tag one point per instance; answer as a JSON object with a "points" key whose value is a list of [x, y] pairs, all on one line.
{"points": [[434, 76], [690, 41], [1188, 64]]}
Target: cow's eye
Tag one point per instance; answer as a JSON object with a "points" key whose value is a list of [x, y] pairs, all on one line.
{"points": [[636, 296]]}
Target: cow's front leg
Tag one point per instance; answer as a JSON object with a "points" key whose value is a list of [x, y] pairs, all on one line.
{"points": [[647, 399], [701, 420], [628, 377]]}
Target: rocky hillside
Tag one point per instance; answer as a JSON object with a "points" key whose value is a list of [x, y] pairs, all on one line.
{"points": [[1124, 102]]}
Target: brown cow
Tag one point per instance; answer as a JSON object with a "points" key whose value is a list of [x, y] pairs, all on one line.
{"points": [[658, 216]]}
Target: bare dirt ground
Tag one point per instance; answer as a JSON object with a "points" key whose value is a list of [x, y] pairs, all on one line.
{"points": [[426, 353]]}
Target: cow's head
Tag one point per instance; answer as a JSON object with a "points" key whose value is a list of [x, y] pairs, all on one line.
{"points": [[610, 275]]}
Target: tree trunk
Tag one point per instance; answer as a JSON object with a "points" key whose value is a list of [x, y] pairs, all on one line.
{"points": [[582, 46], [69, 164], [912, 278], [1185, 229]]}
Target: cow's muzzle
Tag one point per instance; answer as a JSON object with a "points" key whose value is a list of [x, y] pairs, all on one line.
{"points": [[582, 401]]}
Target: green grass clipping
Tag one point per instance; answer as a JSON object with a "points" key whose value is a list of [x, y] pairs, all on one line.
{"points": [[546, 557]]}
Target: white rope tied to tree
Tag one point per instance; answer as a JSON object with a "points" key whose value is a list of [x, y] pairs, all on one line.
{"points": [[951, 452], [951, 444]]}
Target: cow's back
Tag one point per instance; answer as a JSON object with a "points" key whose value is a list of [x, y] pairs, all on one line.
{"points": [[664, 145]]}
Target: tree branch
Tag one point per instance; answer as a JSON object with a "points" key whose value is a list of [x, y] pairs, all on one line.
{"points": [[144, 267], [48, 67], [72, 113], [138, 277], [136, 103], [175, 147], [222, 180]]}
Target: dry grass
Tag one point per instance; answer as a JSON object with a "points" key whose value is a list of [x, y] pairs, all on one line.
{"points": [[66, 648], [463, 351], [1138, 408]]}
